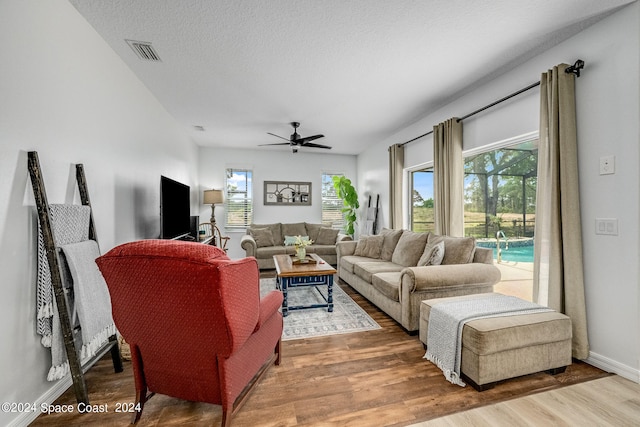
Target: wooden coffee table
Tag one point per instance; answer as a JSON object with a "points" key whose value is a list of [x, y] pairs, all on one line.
{"points": [[314, 273]]}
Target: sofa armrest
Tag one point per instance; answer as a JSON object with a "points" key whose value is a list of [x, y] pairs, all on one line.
{"points": [[438, 276], [343, 238], [483, 255], [248, 243], [345, 248]]}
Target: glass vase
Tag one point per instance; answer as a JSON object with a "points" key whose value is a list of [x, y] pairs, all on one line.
{"points": [[301, 253]]}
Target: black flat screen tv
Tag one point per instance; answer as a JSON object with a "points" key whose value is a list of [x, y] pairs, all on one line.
{"points": [[175, 209]]}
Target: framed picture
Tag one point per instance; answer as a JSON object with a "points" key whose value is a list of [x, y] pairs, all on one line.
{"points": [[288, 193]]}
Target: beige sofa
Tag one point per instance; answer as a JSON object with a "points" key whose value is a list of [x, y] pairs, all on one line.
{"points": [[398, 269], [263, 241]]}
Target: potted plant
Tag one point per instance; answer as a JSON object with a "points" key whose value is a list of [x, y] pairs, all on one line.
{"points": [[349, 196]]}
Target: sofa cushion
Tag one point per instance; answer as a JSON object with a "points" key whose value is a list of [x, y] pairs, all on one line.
{"points": [[327, 236], [433, 254], [270, 251], [322, 249], [348, 262], [295, 229], [388, 284], [262, 236], [312, 230], [409, 249], [391, 238], [369, 246], [276, 230], [366, 269], [457, 250]]}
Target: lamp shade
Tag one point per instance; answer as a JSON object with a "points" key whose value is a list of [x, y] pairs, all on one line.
{"points": [[213, 197]]}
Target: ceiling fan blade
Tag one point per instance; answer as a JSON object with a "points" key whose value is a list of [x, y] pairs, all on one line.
{"points": [[278, 136], [308, 138], [276, 143], [312, 145]]}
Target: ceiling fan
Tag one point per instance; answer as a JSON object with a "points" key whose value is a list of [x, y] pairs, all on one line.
{"points": [[296, 141]]}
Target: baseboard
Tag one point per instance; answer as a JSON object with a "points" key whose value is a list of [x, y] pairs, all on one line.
{"points": [[612, 366], [26, 418]]}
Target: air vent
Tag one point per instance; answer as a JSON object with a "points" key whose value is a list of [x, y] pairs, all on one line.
{"points": [[144, 50]]}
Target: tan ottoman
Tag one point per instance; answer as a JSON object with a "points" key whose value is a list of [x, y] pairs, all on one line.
{"points": [[498, 348]]}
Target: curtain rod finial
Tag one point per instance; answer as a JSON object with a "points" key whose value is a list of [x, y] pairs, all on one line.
{"points": [[575, 68]]}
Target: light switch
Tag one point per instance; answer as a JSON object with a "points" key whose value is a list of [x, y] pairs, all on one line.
{"points": [[607, 165], [607, 226]]}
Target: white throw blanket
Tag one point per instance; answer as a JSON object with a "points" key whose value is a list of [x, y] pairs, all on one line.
{"points": [[447, 319], [70, 224], [92, 299]]}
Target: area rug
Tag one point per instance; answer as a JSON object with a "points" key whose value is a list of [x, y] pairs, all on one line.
{"points": [[347, 316]]}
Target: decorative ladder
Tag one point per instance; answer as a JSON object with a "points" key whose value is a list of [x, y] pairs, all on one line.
{"points": [[372, 216], [70, 330]]}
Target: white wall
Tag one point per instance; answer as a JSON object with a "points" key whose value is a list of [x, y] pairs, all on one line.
{"points": [[267, 165], [608, 111], [65, 94]]}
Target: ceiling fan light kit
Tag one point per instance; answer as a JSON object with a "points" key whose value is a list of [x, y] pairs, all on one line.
{"points": [[295, 141]]}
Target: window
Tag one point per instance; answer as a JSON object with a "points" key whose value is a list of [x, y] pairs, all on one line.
{"points": [[421, 184], [331, 205], [500, 191], [238, 200]]}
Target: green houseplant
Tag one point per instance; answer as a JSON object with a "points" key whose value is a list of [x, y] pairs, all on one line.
{"points": [[349, 196]]}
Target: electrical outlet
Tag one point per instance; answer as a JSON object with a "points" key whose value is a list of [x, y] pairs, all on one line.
{"points": [[607, 165]]}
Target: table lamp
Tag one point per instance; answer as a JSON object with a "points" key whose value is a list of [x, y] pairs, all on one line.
{"points": [[213, 198]]}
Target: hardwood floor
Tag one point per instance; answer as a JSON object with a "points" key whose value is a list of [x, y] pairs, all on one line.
{"points": [[610, 401], [374, 378]]}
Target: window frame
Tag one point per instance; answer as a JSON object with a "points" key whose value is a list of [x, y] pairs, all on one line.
{"points": [[339, 202], [248, 198]]}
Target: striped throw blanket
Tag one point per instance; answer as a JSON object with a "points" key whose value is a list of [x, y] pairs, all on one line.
{"points": [[447, 319]]}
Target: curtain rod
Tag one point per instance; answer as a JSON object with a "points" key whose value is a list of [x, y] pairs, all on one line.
{"points": [[573, 69]]}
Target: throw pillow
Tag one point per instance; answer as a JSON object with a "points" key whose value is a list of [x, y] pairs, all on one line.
{"points": [[290, 240], [296, 229], [262, 236], [457, 250], [312, 230], [369, 246], [391, 238], [409, 248], [433, 254], [275, 230], [327, 236]]}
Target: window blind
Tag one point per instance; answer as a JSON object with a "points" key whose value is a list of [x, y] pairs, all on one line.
{"points": [[238, 201], [332, 215]]}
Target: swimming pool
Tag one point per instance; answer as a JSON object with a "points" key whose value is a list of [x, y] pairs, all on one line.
{"points": [[520, 249], [516, 253]]}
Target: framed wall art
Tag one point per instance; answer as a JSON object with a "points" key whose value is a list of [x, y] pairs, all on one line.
{"points": [[287, 193]]}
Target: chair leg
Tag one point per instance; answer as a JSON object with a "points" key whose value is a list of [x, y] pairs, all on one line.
{"points": [[278, 352], [226, 417]]}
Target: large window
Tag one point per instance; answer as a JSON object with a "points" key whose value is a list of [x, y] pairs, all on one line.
{"points": [[500, 191], [421, 214], [332, 215], [238, 200]]}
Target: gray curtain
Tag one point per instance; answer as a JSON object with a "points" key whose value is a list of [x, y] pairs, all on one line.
{"points": [[396, 166], [558, 272], [448, 178]]}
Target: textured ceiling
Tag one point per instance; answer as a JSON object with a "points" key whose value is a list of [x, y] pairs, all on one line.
{"points": [[356, 71]]}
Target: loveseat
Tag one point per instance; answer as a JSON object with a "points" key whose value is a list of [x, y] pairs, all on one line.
{"points": [[263, 241], [397, 269]]}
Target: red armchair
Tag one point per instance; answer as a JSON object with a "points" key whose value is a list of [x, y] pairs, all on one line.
{"points": [[195, 322]]}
